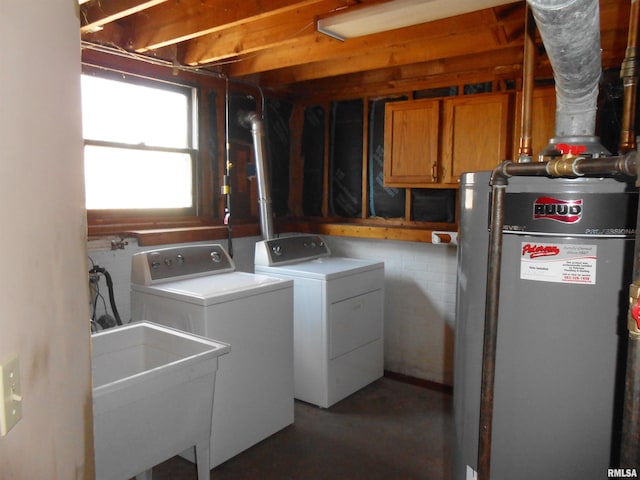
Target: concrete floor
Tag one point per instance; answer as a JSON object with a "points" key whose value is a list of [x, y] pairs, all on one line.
{"points": [[389, 430]]}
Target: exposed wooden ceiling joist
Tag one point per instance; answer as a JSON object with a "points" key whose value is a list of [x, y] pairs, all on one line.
{"points": [[275, 43], [94, 14], [257, 33], [190, 19], [402, 79], [326, 57]]}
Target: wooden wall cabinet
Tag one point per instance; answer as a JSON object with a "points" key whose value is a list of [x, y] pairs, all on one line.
{"points": [[432, 142], [475, 134], [411, 140]]}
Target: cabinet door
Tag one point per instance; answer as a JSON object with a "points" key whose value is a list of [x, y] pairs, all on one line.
{"points": [[411, 143], [475, 135], [543, 119]]}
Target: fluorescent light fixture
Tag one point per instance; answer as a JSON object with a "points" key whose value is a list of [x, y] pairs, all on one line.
{"points": [[357, 22]]}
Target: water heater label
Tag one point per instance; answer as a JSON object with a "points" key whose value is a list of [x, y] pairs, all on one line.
{"points": [[558, 262]]}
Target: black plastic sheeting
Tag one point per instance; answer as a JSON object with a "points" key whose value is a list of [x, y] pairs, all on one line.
{"points": [[433, 205], [277, 132], [213, 141], [345, 167], [436, 92], [313, 154], [385, 202], [345, 181], [238, 105], [609, 118]]}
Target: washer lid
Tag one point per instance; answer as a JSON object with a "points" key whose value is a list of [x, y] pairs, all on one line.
{"points": [[323, 268], [215, 289]]}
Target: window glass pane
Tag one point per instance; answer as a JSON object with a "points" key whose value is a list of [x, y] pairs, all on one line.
{"points": [[129, 113], [117, 178]]}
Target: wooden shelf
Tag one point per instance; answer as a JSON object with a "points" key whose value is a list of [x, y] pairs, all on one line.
{"points": [[368, 230], [193, 234]]}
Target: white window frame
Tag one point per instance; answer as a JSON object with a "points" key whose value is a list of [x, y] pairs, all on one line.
{"points": [[190, 149]]}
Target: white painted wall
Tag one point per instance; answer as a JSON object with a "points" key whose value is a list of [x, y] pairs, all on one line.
{"points": [[43, 288], [420, 287]]}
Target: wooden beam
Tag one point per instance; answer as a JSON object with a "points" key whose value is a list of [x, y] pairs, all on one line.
{"points": [[97, 13], [326, 56], [257, 33], [397, 80], [272, 42], [412, 234], [375, 57], [313, 80], [189, 19]]}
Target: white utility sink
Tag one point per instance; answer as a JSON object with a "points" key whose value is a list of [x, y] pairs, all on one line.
{"points": [[152, 398]]}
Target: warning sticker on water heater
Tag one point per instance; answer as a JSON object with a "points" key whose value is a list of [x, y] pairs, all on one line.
{"points": [[559, 263]]}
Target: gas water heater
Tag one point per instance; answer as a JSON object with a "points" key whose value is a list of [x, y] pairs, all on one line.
{"points": [[559, 371]]}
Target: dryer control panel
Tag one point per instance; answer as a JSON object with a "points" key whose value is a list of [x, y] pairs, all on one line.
{"points": [[176, 263], [282, 251]]}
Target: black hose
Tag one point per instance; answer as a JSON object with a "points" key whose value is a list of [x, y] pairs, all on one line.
{"points": [[112, 302]]}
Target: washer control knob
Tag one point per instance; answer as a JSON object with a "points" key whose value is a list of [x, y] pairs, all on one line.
{"points": [[168, 262], [155, 264], [215, 256], [180, 259], [277, 250]]}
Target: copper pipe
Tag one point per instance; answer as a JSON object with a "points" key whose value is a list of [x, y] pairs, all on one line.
{"points": [[629, 73], [498, 187], [525, 149], [569, 166]]}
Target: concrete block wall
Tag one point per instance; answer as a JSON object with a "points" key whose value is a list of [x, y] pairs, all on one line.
{"points": [[420, 294]]}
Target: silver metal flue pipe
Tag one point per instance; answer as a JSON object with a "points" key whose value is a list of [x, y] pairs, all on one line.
{"points": [[254, 121], [570, 31]]}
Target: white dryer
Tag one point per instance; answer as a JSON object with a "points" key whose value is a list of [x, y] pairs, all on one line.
{"points": [[195, 288], [338, 316]]}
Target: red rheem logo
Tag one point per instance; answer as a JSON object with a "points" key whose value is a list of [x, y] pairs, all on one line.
{"points": [[565, 211]]}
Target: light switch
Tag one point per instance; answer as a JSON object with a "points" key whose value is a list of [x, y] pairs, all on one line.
{"points": [[11, 398]]}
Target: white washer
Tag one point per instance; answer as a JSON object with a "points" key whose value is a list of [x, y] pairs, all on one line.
{"points": [[196, 289], [338, 316]]}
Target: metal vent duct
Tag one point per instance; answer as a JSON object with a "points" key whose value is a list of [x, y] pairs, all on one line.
{"points": [[570, 31], [252, 120]]}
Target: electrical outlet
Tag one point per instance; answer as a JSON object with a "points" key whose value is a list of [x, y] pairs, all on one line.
{"points": [[10, 394]]}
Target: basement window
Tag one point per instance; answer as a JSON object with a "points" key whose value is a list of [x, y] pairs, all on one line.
{"points": [[139, 145]]}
